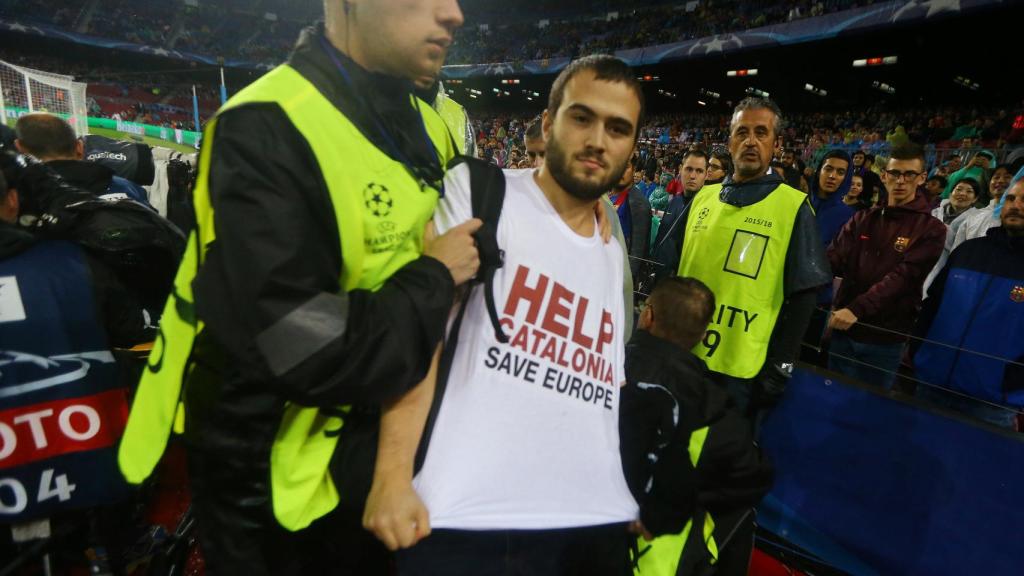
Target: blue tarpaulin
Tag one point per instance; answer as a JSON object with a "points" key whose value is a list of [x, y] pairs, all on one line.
{"points": [[876, 485]]}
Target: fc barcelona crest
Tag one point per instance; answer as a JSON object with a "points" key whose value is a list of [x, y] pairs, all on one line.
{"points": [[1017, 294], [901, 243]]}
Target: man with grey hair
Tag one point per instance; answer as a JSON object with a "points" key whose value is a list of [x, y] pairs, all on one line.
{"points": [[754, 241]]}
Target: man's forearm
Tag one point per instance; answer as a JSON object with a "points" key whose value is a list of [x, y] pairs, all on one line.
{"points": [[401, 428]]}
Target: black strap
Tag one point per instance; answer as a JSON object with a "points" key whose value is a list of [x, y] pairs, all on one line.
{"points": [[487, 189], [487, 184]]}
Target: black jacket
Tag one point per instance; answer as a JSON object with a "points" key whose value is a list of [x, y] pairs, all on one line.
{"points": [[277, 252], [116, 307], [731, 474]]}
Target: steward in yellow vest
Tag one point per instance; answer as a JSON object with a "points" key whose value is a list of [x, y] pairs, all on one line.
{"points": [[754, 241], [454, 116], [689, 457], [308, 286]]}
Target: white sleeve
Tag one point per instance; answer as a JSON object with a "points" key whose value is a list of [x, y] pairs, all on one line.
{"points": [[456, 207]]}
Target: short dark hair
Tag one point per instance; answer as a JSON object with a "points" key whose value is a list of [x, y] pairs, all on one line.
{"points": [[908, 151], [45, 136], [974, 184], [682, 309], [604, 67], [696, 152], [534, 130], [941, 179], [725, 158], [1003, 166], [758, 103], [861, 152]]}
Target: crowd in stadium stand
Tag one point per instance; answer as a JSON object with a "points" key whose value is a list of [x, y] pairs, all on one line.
{"points": [[235, 31]]}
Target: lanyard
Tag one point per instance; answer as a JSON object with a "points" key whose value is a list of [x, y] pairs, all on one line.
{"points": [[393, 149]]}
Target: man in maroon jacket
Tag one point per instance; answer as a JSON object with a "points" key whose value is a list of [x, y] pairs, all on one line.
{"points": [[883, 256]]}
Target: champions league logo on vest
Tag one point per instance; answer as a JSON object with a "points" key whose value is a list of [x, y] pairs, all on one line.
{"points": [[385, 236], [554, 330], [378, 199], [1017, 294]]}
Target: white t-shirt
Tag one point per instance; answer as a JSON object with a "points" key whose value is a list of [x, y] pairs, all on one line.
{"points": [[527, 432]]}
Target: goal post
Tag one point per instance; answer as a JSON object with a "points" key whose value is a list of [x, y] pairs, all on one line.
{"points": [[25, 90]]}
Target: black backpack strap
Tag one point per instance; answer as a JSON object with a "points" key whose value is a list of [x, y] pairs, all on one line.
{"points": [[487, 183], [487, 188]]}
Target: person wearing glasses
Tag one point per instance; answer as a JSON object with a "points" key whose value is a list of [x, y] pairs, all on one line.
{"points": [[719, 166], [883, 255]]}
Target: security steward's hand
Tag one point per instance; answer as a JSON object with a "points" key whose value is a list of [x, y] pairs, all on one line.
{"points": [[769, 386], [395, 514], [456, 249]]}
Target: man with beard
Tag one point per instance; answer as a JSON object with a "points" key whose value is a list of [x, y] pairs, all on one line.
{"points": [[977, 303], [754, 241], [521, 471]]}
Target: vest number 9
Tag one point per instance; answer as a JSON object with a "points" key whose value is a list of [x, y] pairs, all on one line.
{"points": [[711, 341]]}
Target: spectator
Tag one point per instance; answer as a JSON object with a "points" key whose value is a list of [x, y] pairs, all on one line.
{"points": [[977, 305], [933, 188], [883, 256], [978, 168], [674, 418], [960, 203], [634, 212], [52, 140], [855, 197], [719, 165], [829, 187], [660, 197], [977, 224], [533, 140]]}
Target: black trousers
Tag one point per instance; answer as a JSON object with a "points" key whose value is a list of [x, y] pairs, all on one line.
{"points": [[238, 533], [589, 551]]}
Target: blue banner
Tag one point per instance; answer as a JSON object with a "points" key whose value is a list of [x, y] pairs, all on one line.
{"points": [[876, 16], [862, 19], [877, 486], [59, 34]]}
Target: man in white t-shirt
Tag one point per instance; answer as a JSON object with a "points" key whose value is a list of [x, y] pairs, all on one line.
{"points": [[522, 472]]}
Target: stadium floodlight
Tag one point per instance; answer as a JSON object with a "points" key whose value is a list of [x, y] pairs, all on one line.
{"points": [[887, 88], [24, 90], [702, 103], [709, 93], [967, 83], [876, 61], [496, 90], [757, 92], [741, 73], [536, 94], [472, 95], [815, 90]]}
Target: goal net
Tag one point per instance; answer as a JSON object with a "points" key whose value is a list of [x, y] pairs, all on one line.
{"points": [[24, 90]]}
